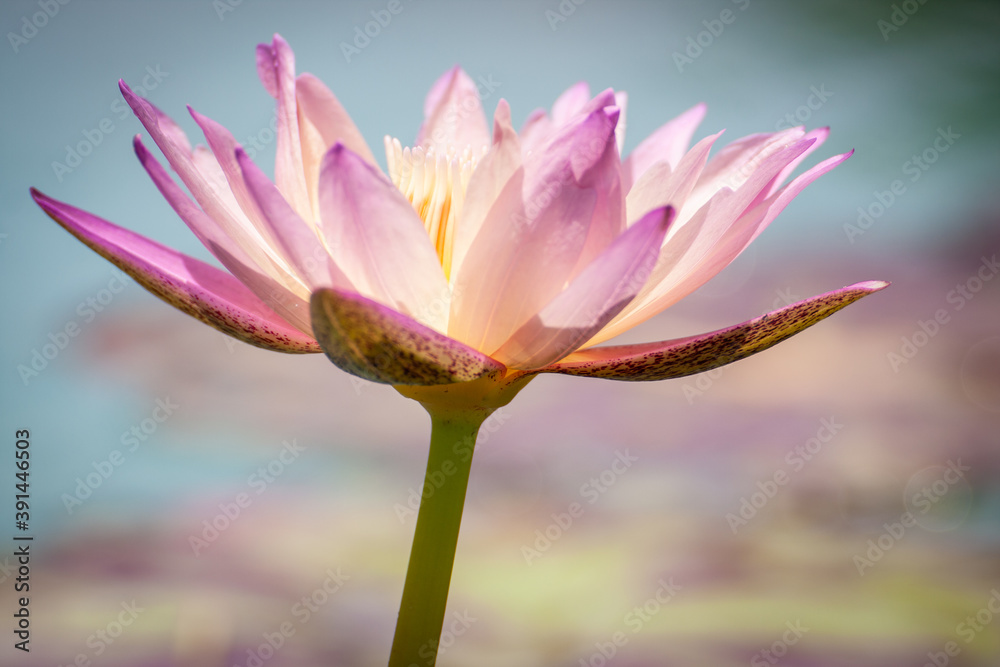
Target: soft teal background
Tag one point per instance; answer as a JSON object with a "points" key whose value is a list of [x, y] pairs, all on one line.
{"points": [[702, 443]]}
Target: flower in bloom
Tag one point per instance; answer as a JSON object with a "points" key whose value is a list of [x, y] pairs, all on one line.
{"points": [[479, 251]]}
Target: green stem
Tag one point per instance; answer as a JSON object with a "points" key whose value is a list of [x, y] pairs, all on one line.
{"points": [[428, 576]]}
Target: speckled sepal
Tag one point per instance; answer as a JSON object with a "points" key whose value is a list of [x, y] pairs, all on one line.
{"points": [[380, 344], [190, 285], [696, 354]]}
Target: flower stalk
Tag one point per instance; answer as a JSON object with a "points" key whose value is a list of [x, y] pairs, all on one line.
{"points": [[428, 575]]}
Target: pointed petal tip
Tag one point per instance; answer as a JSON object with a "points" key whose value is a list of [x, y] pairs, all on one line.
{"points": [[870, 285], [666, 216], [140, 148]]}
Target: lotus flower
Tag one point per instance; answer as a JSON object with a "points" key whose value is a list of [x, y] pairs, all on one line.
{"points": [[502, 254], [476, 261]]}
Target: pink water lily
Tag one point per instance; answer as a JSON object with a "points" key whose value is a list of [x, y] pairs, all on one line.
{"points": [[476, 253], [474, 262]]}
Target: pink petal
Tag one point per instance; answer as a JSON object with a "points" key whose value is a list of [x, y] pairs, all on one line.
{"points": [[536, 232], [696, 354], [277, 296], [177, 151], [599, 293], [297, 240], [487, 181], [734, 241], [323, 110], [570, 103], [777, 202], [696, 248], [621, 101], [453, 115], [668, 143], [660, 185], [737, 161], [536, 130], [198, 289], [276, 68], [224, 148], [376, 238], [380, 344], [820, 135]]}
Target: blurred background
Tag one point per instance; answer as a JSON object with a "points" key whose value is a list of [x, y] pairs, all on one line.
{"points": [[833, 501]]}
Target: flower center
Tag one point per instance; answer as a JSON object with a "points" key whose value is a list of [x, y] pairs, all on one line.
{"points": [[435, 184]]}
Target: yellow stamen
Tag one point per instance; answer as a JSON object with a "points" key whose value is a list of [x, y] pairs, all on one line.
{"points": [[435, 185]]}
